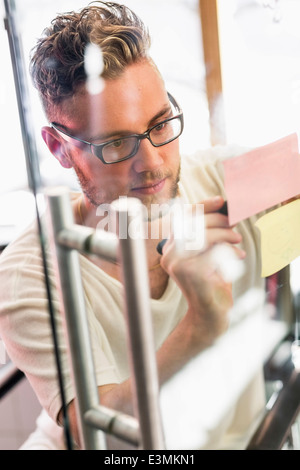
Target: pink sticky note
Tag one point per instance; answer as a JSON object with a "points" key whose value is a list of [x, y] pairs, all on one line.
{"points": [[262, 178]]}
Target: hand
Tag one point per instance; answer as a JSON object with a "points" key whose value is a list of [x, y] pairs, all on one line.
{"points": [[217, 230], [217, 225], [209, 297], [215, 219]]}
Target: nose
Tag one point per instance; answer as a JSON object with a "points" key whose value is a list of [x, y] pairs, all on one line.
{"points": [[147, 158]]}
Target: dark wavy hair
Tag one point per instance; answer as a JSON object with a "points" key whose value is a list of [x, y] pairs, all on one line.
{"points": [[57, 60]]}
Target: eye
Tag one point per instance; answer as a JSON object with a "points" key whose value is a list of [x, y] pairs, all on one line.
{"points": [[117, 143], [160, 127]]}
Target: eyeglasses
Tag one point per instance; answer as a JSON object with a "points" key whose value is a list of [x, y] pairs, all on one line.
{"points": [[118, 150]]}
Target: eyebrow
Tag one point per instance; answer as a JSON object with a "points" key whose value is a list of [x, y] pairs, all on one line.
{"points": [[166, 109]]}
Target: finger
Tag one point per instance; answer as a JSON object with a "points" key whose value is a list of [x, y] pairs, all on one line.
{"points": [[217, 232], [213, 204], [222, 235], [239, 252], [215, 219]]}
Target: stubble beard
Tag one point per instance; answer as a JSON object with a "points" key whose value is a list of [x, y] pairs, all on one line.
{"points": [[152, 203]]}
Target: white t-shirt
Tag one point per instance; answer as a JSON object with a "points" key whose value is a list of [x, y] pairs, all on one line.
{"points": [[24, 316]]}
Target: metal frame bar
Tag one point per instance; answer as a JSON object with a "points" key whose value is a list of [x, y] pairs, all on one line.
{"points": [[276, 425], [68, 238], [283, 408], [32, 162], [112, 422], [73, 306], [139, 320]]}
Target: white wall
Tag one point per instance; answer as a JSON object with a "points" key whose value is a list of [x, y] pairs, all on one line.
{"points": [[261, 93], [260, 49], [18, 412]]}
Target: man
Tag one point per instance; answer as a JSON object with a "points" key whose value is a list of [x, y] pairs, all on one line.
{"points": [[121, 141]]}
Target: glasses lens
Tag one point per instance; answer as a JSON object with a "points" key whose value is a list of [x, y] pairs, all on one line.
{"points": [[119, 149], [166, 131]]}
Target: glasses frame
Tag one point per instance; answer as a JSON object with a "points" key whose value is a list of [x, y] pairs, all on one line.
{"points": [[97, 149]]}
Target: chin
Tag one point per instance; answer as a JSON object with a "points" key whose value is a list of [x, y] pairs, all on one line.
{"points": [[157, 208]]}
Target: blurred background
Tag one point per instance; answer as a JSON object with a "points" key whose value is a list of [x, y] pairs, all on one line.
{"points": [[259, 102]]}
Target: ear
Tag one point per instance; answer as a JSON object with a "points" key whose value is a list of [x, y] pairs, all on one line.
{"points": [[54, 144]]}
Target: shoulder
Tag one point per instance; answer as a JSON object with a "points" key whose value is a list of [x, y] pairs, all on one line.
{"points": [[26, 243], [212, 156], [21, 267]]}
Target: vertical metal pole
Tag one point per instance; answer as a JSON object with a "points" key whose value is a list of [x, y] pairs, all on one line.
{"points": [[128, 213], [77, 332], [212, 57], [22, 93], [285, 306]]}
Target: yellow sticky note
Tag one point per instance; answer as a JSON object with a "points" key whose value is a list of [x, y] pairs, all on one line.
{"points": [[280, 237]]}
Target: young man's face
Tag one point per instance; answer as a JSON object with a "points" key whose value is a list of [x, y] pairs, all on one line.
{"points": [[128, 105]]}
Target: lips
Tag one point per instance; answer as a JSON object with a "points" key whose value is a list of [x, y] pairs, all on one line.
{"points": [[150, 188]]}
